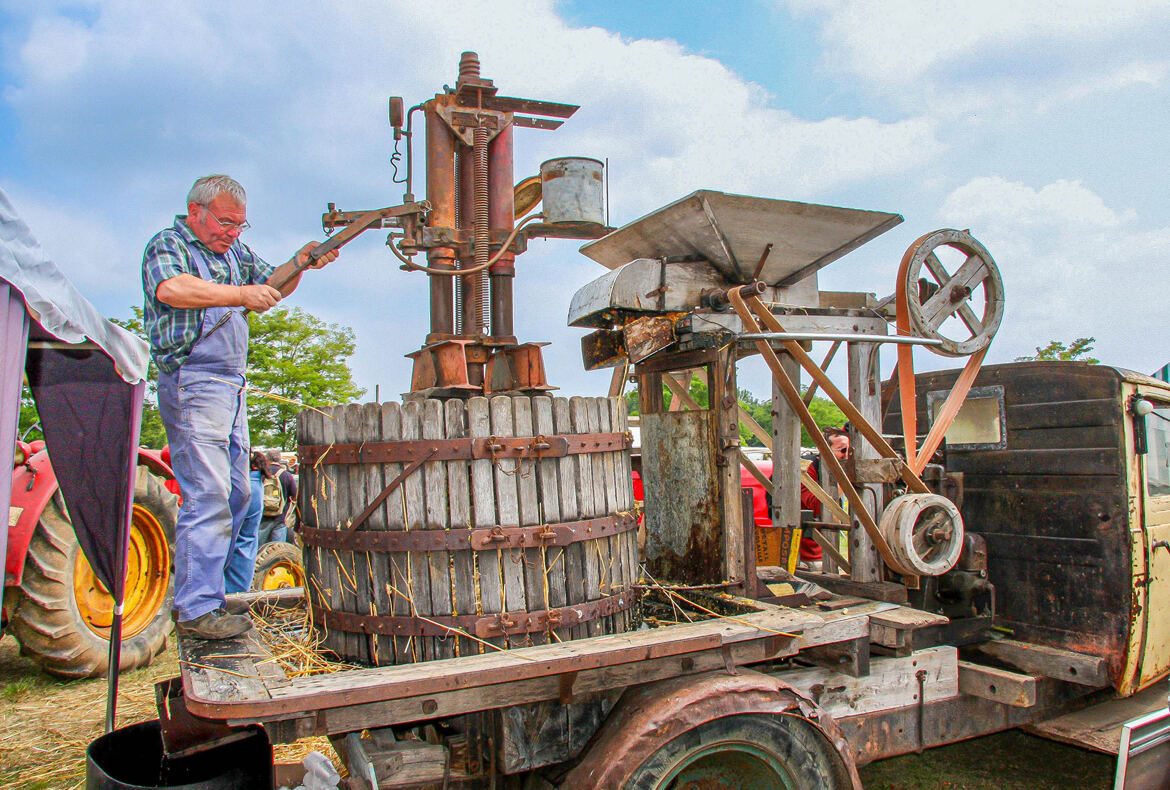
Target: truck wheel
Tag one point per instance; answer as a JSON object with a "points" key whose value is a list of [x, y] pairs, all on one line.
{"points": [[63, 613], [278, 566], [750, 751]]}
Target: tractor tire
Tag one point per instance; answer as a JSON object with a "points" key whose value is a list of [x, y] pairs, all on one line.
{"points": [[278, 566], [748, 751], [63, 614]]}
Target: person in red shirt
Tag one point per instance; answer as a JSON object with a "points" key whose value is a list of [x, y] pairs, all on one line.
{"points": [[810, 550]]}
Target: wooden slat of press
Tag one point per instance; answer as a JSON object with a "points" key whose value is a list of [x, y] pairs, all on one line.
{"points": [[574, 559], [506, 472], [483, 512], [397, 566], [356, 585], [623, 572], [605, 569], [459, 498], [308, 432], [535, 585], [587, 502], [630, 539], [374, 563], [435, 483], [548, 479], [329, 502], [413, 492], [613, 573]]}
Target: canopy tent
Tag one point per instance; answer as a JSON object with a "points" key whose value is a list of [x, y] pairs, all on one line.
{"points": [[88, 378]]}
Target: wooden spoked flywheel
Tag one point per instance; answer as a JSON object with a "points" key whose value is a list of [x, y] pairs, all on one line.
{"points": [[923, 308], [924, 305]]}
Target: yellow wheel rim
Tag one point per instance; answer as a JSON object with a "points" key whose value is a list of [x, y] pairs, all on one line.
{"points": [[148, 576], [283, 575]]}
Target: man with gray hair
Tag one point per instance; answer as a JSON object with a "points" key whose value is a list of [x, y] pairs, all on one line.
{"points": [[196, 275]]}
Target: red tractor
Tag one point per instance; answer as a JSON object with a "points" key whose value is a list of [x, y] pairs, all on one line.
{"points": [[54, 604]]}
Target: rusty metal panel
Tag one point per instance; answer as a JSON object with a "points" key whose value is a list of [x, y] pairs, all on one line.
{"points": [[603, 349], [684, 530], [647, 336]]}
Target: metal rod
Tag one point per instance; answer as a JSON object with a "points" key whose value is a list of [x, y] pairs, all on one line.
{"points": [[841, 336], [441, 194], [502, 213]]}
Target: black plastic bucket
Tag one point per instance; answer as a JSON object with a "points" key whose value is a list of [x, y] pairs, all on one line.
{"points": [[132, 758]]}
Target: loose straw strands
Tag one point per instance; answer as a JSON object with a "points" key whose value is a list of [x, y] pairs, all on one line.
{"points": [[718, 616], [450, 628], [271, 396], [294, 644]]}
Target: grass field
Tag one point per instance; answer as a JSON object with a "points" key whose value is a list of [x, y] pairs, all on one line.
{"points": [[48, 724]]}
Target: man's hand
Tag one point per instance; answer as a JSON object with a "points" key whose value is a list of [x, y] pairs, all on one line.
{"points": [[258, 298], [302, 255]]}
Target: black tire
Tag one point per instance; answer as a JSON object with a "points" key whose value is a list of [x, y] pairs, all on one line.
{"points": [[278, 566], [751, 751], [48, 620]]}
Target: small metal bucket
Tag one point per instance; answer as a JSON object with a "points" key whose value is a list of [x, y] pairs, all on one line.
{"points": [[132, 758], [573, 190]]}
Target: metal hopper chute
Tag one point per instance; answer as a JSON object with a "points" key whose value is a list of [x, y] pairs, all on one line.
{"points": [[778, 242]]}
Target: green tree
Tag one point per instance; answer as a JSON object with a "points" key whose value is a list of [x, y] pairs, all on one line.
{"points": [[1076, 351], [299, 361], [29, 425]]}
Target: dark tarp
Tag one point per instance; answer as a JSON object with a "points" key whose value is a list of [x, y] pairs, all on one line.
{"points": [[87, 377], [90, 418]]}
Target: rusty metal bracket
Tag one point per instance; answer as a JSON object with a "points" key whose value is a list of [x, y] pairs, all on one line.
{"points": [[521, 447], [463, 449], [481, 626], [564, 533], [380, 498]]}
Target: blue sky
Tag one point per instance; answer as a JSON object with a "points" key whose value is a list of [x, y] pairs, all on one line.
{"points": [[1041, 127]]}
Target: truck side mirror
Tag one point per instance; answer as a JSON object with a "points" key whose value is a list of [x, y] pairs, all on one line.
{"points": [[1140, 407]]}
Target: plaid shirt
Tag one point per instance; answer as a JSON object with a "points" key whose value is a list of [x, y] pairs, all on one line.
{"points": [[174, 330]]}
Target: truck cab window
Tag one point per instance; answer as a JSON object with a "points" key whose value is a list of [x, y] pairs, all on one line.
{"points": [[979, 424], [1158, 457]]}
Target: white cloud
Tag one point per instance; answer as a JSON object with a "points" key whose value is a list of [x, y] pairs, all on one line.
{"points": [[992, 53], [120, 108], [1072, 267]]}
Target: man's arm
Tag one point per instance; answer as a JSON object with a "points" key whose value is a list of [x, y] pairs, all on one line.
{"points": [[189, 291], [285, 270]]}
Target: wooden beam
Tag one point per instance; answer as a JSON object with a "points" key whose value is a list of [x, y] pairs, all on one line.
{"points": [[1050, 662], [891, 683], [890, 592], [998, 685], [895, 628]]}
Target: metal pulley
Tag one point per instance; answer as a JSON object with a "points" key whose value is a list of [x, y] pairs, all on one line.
{"points": [[925, 532], [924, 306]]}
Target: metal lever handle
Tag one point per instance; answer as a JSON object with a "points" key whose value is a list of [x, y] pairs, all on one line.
{"points": [[314, 255]]}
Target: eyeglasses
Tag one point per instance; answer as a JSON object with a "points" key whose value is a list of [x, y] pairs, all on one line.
{"points": [[239, 227]]}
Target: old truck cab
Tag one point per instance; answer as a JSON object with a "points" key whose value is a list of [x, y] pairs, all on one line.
{"points": [[1066, 475]]}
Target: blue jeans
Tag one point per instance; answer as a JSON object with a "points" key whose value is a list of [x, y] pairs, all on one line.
{"points": [[241, 563], [207, 427]]}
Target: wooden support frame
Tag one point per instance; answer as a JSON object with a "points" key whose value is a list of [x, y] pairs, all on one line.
{"points": [[792, 395]]}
